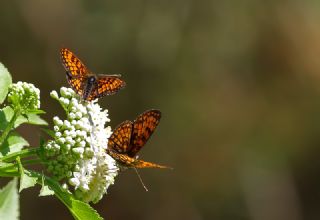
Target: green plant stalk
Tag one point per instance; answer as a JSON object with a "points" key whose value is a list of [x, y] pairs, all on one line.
{"points": [[11, 166], [14, 171], [7, 130], [9, 174], [21, 154]]}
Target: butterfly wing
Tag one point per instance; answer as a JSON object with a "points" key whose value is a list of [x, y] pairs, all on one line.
{"points": [[143, 127], [72, 64], [106, 85], [120, 139], [76, 71], [77, 84]]}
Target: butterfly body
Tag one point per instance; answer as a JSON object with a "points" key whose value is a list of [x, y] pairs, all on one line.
{"points": [[85, 83], [129, 137]]}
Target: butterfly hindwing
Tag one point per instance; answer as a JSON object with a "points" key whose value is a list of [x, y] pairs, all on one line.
{"points": [[106, 85], [77, 84], [119, 141], [143, 127]]}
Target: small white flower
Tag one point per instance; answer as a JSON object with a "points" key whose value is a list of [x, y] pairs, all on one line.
{"points": [[74, 181], [58, 134], [77, 155]]}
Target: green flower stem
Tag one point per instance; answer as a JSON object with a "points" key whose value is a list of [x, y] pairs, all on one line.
{"points": [[12, 166], [6, 131], [21, 154], [15, 173], [9, 174]]}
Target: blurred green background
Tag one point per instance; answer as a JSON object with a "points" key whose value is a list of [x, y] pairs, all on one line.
{"points": [[238, 83]]}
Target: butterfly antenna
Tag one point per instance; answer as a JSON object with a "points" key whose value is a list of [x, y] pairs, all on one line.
{"points": [[144, 186]]}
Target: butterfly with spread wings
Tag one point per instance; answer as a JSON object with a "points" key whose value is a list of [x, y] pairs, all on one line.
{"points": [[85, 83], [129, 137]]}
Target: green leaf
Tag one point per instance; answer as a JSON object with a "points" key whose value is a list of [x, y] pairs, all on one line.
{"points": [[9, 201], [29, 118], [36, 111], [83, 211], [5, 116], [16, 142], [25, 180], [20, 120], [79, 210], [5, 82], [35, 119], [13, 143], [45, 190]]}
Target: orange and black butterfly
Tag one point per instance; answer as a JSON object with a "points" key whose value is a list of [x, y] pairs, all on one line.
{"points": [[85, 83], [129, 137]]}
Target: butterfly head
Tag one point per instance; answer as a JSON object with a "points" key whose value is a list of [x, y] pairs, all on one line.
{"points": [[92, 79]]}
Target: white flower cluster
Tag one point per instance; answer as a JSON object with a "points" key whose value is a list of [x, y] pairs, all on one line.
{"points": [[26, 95], [77, 155]]}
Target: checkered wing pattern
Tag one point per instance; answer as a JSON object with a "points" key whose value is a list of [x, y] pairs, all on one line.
{"points": [[72, 64], [106, 85], [128, 138], [143, 128], [120, 139]]}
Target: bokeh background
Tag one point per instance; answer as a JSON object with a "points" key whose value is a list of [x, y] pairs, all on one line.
{"points": [[238, 83]]}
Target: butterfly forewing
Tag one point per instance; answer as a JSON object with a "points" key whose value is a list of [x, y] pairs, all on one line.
{"points": [[72, 64], [143, 127]]}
